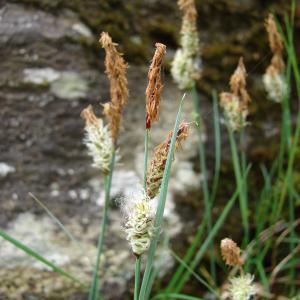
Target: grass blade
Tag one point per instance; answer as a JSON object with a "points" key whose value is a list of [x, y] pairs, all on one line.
{"points": [[40, 258], [184, 278], [196, 276], [61, 226], [188, 256], [161, 207]]}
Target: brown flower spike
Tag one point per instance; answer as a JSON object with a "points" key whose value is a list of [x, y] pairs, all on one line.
{"points": [[236, 103], [89, 116], [276, 45], [189, 10], [274, 79], [116, 73], [238, 83], [158, 162], [275, 40], [154, 88], [231, 253]]}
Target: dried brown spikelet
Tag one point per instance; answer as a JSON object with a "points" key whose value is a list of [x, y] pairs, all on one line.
{"points": [[274, 79], [231, 253], [238, 83], [189, 9], [158, 162], [154, 88], [275, 40], [116, 73], [89, 116]]}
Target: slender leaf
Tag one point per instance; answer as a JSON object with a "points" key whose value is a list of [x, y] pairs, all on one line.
{"points": [[40, 258], [160, 208]]}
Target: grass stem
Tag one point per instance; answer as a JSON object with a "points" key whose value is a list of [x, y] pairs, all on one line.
{"points": [[94, 293], [240, 184], [137, 275], [203, 170]]}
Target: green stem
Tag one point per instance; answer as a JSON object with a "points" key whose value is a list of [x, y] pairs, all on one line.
{"points": [[240, 184], [217, 147], [203, 170], [93, 295], [137, 277]]}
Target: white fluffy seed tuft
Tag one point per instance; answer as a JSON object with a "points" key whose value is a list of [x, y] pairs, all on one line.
{"points": [[235, 115], [186, 65], [275, 86], [100, 146], [242, 287], [139, 214]]}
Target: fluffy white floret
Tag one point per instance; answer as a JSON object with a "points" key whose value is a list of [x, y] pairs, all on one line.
{"points": [[242, 287], [100, 146], [139, 215], [183, 69], [235, 116], [275, 86], [186, 65]]}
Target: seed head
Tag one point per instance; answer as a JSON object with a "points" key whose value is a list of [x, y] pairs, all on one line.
{"points": [[189, 9], [236, 103], [275, 40], [274, 78], [139, 224], [98, 140], [242, 287], [158, 162], [154, 88], [116, 72], [275, 84], [186, 66], [231, 253]]}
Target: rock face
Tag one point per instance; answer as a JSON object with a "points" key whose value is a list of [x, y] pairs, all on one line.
{"points": [[50, 71]]}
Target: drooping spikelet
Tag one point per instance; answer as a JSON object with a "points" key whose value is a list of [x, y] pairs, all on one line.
{"points": [[235, 104], [186, 66], [154, 88], [139, 223], [231, 253], [158, 162], [274, 79], [98, 140], [116, 72], [242, 287]]}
